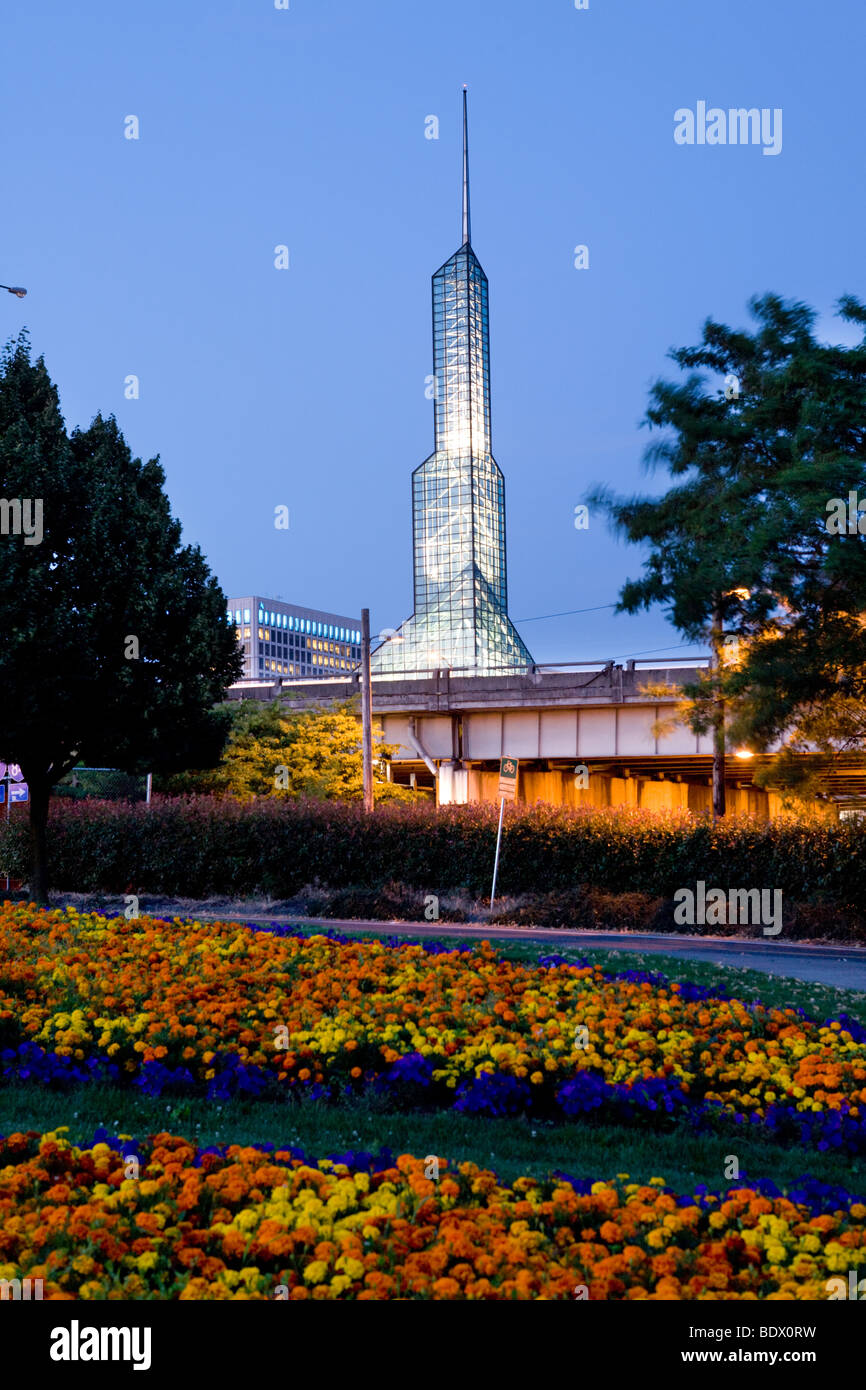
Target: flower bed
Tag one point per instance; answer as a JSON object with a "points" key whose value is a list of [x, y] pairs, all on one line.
{"points": [[227, 1009], [250, 1223]]}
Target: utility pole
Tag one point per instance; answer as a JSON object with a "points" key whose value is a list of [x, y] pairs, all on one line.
{"points": [[716, 638], [366, 709]]}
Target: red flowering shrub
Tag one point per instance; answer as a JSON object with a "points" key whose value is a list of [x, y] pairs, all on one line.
{"points": [[202, 846]]}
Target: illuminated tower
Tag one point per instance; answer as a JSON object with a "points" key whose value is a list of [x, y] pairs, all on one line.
{"points": [[458, 495]]}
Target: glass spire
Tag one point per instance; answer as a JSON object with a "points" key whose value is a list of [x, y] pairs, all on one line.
{"points": [[458, 495]]}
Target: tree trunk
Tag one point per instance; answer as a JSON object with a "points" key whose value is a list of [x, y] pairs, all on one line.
{"points": [[40, 795], [719, 803]]}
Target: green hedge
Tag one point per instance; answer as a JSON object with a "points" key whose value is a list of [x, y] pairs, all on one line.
{"points": [[202, 847]]}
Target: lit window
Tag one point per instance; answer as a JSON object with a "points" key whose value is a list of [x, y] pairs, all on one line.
{"points": [[246, 615], [237, 615], [261, 634], [246, 632]]}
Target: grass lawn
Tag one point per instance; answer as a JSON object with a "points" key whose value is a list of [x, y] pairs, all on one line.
{"points": [[511, 1147]]}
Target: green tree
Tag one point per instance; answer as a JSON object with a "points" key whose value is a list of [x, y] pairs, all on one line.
{"points": [[704, 562], [115, 643], [740, 547], [274, 750], [802, 681]]}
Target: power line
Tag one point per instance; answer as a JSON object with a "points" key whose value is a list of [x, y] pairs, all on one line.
{"points": [[648, 650], [567, 614]]}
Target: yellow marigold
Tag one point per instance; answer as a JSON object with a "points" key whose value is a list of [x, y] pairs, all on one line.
{"points": [[315, 1272]]}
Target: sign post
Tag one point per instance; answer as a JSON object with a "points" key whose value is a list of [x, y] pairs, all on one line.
{"points": [[12, 788], [507, 792]]}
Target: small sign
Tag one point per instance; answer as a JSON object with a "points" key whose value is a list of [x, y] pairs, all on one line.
{"points": [[14, 771], [19, 791], [508, 779]]}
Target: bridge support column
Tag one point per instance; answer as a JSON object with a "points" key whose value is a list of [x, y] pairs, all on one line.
{"points": [[452, 785]]}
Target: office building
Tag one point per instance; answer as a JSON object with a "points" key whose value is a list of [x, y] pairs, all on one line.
{"points": [[285, 641]]}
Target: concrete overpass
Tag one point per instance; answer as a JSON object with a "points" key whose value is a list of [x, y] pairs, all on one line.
{"points": [[585, 734]]}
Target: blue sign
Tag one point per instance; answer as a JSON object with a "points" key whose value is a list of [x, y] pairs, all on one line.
{"points": [[18, 791]]}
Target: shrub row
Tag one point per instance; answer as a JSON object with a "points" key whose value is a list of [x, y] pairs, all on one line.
{"points": [[203, 846]]}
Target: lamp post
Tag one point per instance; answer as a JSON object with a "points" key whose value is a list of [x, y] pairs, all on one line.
{"points": [[717, 661], [366, 711], [14, 289]]}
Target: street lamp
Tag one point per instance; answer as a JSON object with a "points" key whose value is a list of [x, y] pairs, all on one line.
{"points": [[14, 289]]}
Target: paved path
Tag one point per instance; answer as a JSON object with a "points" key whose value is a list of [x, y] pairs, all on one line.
{"points": [[842, 966]]}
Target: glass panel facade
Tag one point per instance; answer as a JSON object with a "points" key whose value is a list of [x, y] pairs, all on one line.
{"points": [[458, 501]]}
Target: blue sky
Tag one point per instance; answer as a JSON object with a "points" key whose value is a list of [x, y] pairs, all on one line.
{"points": [[306, 127]]}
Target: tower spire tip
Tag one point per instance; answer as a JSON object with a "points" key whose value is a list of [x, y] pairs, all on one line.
{"points": [[467, 227]]}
